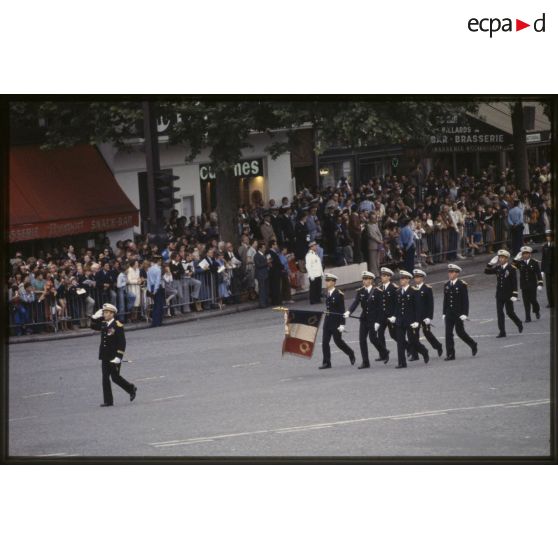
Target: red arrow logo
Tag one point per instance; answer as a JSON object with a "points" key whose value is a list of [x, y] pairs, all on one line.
{"points": [[519, 25]]}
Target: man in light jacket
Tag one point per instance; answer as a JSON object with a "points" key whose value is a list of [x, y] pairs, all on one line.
{"points": [[375, 241], [315, 271]]}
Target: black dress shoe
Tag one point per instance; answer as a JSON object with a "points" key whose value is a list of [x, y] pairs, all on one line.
{"points": [[500, 335], [527, 320], [386, 359], [401, 366], [364, 365], [520, 327], [426, 357], [324, 366], [440, 351], [412, 359], [352, 358], [133, 394], [475, 349], [538, 314], [105, 405], [450, 357]]}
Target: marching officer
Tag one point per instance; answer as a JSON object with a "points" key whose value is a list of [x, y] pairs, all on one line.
{"points": [[547, 267], [506, 289], [369, 299], [334, 323], [456, 310], [386, 309], [405, 320], [530, 281], [111, 351], [425, 310]]}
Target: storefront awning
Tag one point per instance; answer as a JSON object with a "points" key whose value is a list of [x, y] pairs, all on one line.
{"points": [[64, 192]]}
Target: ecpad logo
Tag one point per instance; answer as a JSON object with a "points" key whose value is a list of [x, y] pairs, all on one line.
{"points": [[493, 25]]}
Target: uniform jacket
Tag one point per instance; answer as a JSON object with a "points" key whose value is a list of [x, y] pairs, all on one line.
{"points": [[313, 265], [387, 302], [547, 265], [369, 303], [456, 299], [405, 307], [335, 302], [424, 302], [113, 340], [529, 274], [506, 280]]}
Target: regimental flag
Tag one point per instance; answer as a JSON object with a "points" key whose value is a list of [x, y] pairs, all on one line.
{"points": [[301, 328]]}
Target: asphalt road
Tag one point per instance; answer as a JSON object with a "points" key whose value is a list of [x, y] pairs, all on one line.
{"points": [[220, 387]]}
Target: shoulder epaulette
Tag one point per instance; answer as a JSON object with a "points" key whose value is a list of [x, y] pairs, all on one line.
{"points": [[341, 291], [119, 324], [427, 286], [395, 285], [465, 283], [513, 265], [535, 260], [414, 288]]}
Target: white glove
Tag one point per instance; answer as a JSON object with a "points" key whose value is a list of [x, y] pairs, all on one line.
{"points": [[427, 321], [493, 261], [463, 317], [391, 319], [98, 314], [539, 288], [414, 325], [443, 316], [376, 326], [542, 273], [116, 360], [346, 314], [513, 299], [341, 329], [518, 257]]}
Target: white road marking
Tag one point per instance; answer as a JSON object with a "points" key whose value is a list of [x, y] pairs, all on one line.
{"points": [[169, 397], [23, 418], [50, 454], [245, 364], [513, 345], [37, 394], [419, 414], [148, 378], [484, 321]]}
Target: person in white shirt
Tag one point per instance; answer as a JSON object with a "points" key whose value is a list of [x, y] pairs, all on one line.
{"points": [[315, 272]]}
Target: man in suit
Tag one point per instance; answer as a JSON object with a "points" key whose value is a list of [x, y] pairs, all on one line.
{"points": [[386, 307], [262, 274], [547, 267], [407, 245], [425, 310], [506, 289], [456, 311], [275, 272], [334, 322], [405, 320], [369, 300], [111, 352], [530, 281], [375, 241]]}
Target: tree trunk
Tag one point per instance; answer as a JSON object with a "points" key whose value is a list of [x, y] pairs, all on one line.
{"points": [[521, 165], [227, 206]]}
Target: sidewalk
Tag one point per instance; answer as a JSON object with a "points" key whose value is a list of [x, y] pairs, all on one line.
{"points": [[207, 314]]}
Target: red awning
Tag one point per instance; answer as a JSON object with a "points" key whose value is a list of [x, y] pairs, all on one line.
{"points": [[63, 192]]}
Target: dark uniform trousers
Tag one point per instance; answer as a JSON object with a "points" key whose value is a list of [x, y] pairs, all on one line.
{"points": [[529, 279], [158, 305], [315, 290], [386, 310], [429, 336], [113, 344], [335, 303], [506, 288], [425, 309], [405, 315], [369, 304], [456, 303]]}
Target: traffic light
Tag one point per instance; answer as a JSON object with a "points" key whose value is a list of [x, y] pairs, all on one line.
{"points": [[164, 192]]}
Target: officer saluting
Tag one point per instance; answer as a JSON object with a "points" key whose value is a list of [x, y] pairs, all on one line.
{"points": [[369, 299], [405, 320], [386, 308], [506, 289], [425, 309], [111, 351], [334, 323], [530, 281], [456, 310]]}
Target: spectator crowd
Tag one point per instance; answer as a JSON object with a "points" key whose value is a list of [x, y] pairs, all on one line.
{"points": [[394, 221]]}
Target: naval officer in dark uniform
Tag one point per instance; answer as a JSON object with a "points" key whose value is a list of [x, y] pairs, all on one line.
{"points": [[456, 310], [547, 267], [386, 308], [369, 300], [530, 281], [425, 310], [506, 289], [334, 323], [111, 351], [406, 323]]}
